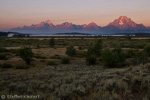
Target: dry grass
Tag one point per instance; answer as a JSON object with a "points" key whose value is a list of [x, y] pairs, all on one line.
{"points": [[48, 52], [77, 80]]}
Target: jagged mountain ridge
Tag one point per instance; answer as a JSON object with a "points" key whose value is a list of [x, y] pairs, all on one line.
{"points": [[125, 23], [122, 24]]}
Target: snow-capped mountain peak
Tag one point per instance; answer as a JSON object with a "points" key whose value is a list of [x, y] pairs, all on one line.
{"points": [[125, 23], [67, 24], [121, 24], [48, 22], [123, 20]]}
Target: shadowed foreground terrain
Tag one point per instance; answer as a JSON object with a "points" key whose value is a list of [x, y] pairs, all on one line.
{"points": [[80, 82]]}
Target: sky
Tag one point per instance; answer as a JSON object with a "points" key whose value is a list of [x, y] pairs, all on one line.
{"points": [[15, 13]]}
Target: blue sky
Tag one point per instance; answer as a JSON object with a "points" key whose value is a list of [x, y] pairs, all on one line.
{"points": [[15, 13]]}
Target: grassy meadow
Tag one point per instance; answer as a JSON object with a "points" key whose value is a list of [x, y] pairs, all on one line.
{"points": [[76, 68]]}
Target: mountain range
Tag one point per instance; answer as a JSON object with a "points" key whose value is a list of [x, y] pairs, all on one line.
{"points": [[121, 25]]}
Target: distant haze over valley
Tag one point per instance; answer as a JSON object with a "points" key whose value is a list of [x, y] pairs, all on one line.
{"points": [[121, 25]]}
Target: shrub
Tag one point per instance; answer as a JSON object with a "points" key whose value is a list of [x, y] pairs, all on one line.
{"points": [[96, 49], [52, 42], [6, 65], [143, 57], [81, 90], [3, 49], [37, 46], [129, 37], [108, 58], [81, 54], [26, 54], [21, 67], [56, 57], [136, 53], [113, 59], [65, 60], [130, 53], [71, 51], [80, 48], [51, 63], [119, 56], [147, 50], [39, 57], [90, 51], [91, 60], [42, 60], [21, 88], [2, 57]]}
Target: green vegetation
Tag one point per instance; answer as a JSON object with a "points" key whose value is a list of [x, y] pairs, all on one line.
{"points": [[147, 50], [74, 81], [96, 49], [21, 67], [91, 60], [113, 58], [81, 54], [114, 73], [2, 57], [51, 63], [71, 51], [3, 49], [65, 60], [56, 57], [130, 53], [26, 54], [6, 65], [94, 52], [52, 42], [108, 58]]}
